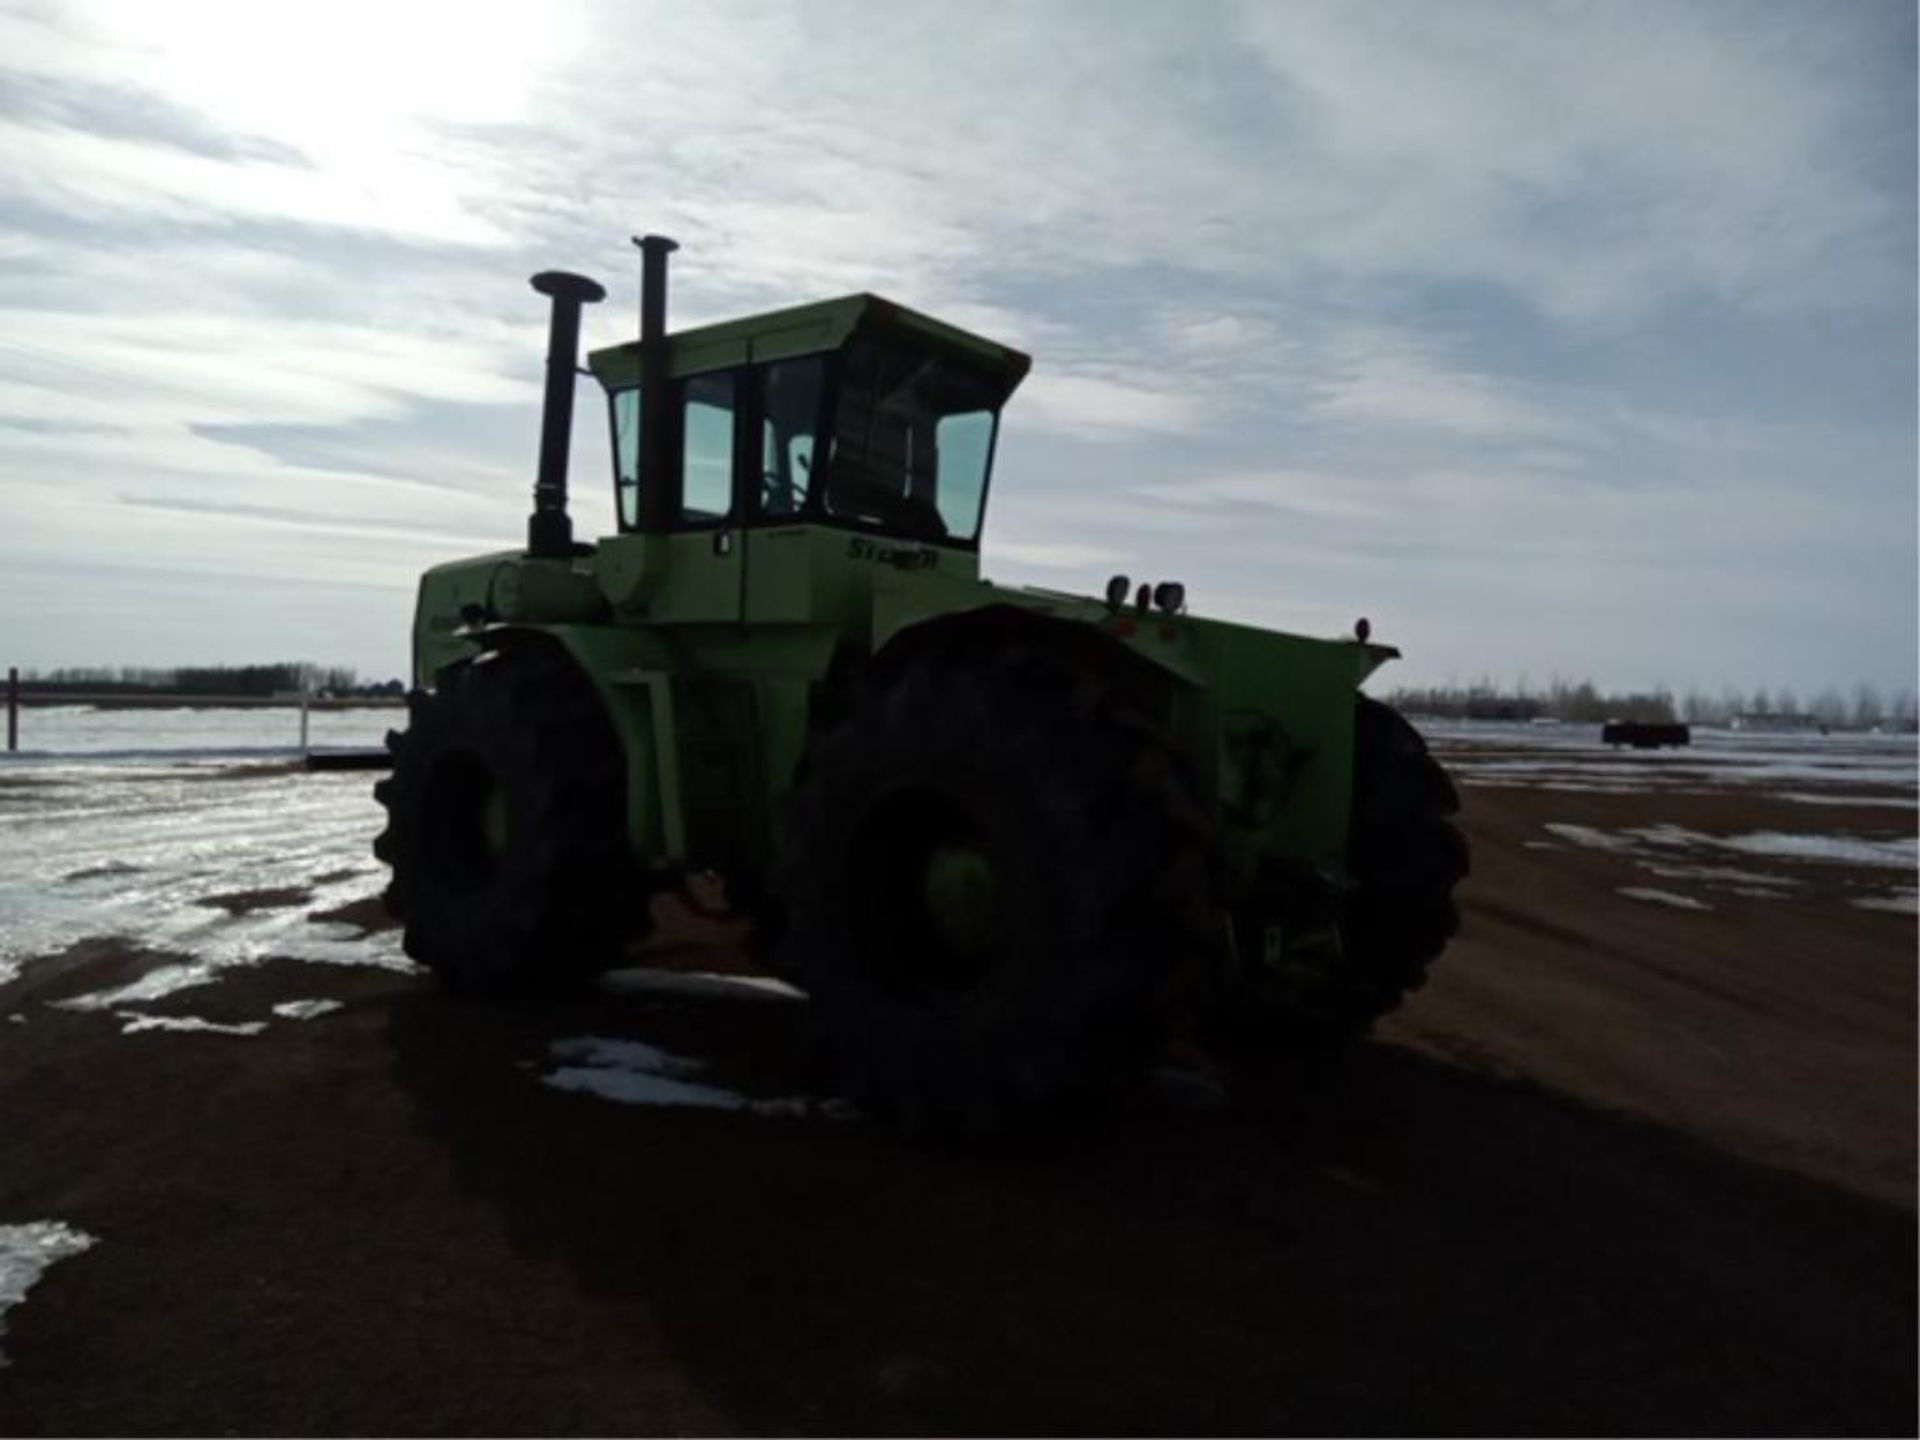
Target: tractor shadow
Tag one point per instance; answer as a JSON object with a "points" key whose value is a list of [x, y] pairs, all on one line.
{"points": [[1379, 1243]]}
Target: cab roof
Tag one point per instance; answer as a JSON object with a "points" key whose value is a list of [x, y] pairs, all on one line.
{"points": [[802, 330]]}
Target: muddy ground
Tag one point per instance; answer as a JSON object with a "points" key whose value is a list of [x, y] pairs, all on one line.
{"points": [[1622, 1167]]}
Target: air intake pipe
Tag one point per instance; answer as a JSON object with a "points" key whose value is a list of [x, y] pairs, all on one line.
{"points": [[659, 491], [549, 528]]}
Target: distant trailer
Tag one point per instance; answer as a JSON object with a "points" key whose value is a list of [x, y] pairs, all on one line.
{"points": [[349, 760], [1644, 734]]}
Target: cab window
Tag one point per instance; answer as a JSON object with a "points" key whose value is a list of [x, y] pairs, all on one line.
{"points": [[789, 415], [626, 455], [706, 449], [912, 442]]}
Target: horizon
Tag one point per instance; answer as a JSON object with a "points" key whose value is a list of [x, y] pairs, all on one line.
{"points": [[1574, 342], [1895, 705]]}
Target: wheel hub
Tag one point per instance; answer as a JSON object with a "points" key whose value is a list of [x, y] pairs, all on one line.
{"points": [[926, 895], [961, 894]]}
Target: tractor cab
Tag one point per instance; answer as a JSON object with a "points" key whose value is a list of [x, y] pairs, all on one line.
{"points": [[888, 425], [835, 430]]}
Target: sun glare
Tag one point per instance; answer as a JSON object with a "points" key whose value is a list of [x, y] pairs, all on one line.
{"points": [[352, 76]]}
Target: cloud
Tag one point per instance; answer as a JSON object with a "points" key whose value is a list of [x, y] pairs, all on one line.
{"points": [[1099, 408], [101, 180], [122, 111], [1596, 159], [242, 512], [1053, 555], [1376, 376], [1301, 491]]}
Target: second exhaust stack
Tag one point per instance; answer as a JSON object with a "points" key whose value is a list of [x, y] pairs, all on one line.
{"points": [[659, 492], [549, 528]]}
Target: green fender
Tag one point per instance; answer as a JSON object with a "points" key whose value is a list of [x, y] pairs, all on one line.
{"points": [[641, 674]]}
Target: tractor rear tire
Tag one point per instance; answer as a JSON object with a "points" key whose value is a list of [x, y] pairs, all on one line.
{"points": [[998, 890], [1405, 856], [506, 828]]}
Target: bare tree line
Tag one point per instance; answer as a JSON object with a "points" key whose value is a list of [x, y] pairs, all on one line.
{"points": [[287, 677], [1865, 707]]}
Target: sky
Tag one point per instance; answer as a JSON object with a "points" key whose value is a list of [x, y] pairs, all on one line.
{"points": [[1555, 338]]}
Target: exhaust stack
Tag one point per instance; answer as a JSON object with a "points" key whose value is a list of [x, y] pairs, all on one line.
{"points": [[549, 528], [659, 493]]}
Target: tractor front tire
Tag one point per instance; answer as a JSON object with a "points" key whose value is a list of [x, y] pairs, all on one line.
{"points": [[506, 828], [1404, 857], [997, 886]]}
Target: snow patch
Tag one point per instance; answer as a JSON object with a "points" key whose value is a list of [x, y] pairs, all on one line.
{"points": [[1802, 797], [1598, 773], [1663, 897], [137, 1023], [138, 850], [598, 1050], [1900, 902], [1564, 756], [632, 1072], [305, 1009], [699, 985], [25, 1253], [1902, 854], [1548, 780], [1724, 873], [1671, 836], [156, 984], [1624, 841]]}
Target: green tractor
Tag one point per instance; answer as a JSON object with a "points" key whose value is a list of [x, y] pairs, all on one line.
{"points": [[1007, 841]]}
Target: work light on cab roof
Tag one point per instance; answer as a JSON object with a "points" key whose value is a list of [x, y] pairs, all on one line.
{"points": [[1008, 841]]}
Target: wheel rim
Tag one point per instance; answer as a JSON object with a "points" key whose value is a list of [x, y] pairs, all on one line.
{"points": [[925, 896], [464, 814]]}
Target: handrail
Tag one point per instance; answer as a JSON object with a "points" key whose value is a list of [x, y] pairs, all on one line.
{"points": [[19, 697], [209, 702]]}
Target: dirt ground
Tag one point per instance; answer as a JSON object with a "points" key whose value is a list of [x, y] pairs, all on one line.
{"points": [[1621, 1168]]}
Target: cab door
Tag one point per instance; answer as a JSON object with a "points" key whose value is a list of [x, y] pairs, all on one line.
{"points": [[714, 726], [787, 415], [707, 567]]}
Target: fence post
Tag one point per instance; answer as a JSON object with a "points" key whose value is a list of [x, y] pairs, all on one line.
{"points": [[13, 708], [303, 727]]}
